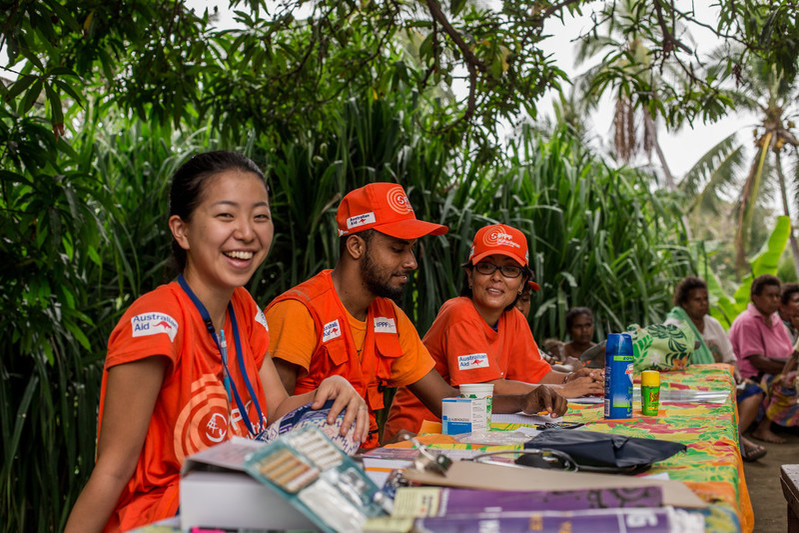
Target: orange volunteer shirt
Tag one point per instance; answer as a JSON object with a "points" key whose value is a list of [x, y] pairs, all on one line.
{"points": [[467, 350], [293, 338], [192, 411]]}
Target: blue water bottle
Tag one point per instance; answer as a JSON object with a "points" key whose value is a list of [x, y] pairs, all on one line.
{"points": [[619, 376]]}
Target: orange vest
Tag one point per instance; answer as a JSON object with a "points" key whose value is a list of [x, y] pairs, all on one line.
{"points": [[335, 352]]}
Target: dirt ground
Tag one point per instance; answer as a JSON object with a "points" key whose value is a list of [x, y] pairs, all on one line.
{"points": [[763, 481]]}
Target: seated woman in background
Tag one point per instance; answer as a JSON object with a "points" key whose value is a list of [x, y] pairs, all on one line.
{"points": [[789, 309], [481, 337], [169, 372], [691, 306], [580, 327]]}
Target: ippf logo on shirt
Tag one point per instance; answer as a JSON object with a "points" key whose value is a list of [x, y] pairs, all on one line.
{"points": [[385, 325], [152, 324]]}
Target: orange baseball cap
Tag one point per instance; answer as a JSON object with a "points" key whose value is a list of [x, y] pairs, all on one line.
{"points": [[499, 239], [383, 207]]}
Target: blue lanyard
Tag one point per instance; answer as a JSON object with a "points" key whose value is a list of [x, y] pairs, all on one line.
{"points": [[222, 347]]}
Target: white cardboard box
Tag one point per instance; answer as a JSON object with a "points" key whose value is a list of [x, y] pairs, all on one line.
{"points": [[215, 491]]}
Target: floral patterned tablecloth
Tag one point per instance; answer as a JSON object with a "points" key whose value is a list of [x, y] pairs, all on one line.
{"points": [[711, 466]]}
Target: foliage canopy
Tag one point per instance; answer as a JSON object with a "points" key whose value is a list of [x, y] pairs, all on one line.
{"points": [[105, 99]]}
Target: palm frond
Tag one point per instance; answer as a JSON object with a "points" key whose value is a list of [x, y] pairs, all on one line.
{"points": [[711, 164]]}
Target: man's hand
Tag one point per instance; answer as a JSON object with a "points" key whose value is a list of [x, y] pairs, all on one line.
{"points": [[544, 398], [347, 399]]}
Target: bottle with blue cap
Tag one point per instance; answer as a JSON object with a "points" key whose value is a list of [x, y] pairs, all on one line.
{"points": [[619, 376]]}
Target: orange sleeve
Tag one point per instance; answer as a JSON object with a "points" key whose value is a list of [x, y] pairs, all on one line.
{"points": [[292, 333], [416, 361], [469, 356], [462, 342], [152, 325]]}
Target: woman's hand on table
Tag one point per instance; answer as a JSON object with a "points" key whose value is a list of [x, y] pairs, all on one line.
{"points": [[594, 374], [583, 381], [575, 388], [345, 398], [544, 398]]}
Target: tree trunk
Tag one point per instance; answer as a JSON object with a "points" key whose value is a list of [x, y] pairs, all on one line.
{"points": [[649, 124], [747, 203], [784, 194]]}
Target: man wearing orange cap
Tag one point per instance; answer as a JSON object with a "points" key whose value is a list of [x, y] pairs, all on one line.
{"points": [[343, 321], [480, 336]]}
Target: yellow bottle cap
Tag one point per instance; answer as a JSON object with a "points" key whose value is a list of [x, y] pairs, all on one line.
{"points": [[650, 378]]}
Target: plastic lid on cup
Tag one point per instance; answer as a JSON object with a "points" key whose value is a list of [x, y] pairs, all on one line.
{"points": [[479, 390], [650, 378]]}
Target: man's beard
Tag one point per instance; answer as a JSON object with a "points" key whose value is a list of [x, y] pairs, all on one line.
{"points": [[371, 278]]}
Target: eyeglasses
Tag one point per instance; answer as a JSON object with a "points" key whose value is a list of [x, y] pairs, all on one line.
{"points": [[509, 271]]}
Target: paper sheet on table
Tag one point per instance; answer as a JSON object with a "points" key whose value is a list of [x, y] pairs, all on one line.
{"points": [[587, 399], [687, 395], [522, 418]]}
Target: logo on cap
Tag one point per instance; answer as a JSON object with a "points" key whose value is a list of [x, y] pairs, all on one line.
{"points": [[361, 220], [499, 238], [398, 202]]}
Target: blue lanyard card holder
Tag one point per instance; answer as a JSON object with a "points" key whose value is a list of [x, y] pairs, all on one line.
{"points": [[319, 480]]}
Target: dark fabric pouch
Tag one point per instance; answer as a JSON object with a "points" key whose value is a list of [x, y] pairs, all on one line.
{"points": [[602, 452]]}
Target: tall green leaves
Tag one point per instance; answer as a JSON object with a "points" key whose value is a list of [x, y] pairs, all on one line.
{"points": [[83, 225], [765, 262], [599, 237], [52, 240]]}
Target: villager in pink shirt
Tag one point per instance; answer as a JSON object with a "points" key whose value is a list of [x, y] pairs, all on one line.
{"points": [[754, 337], [758, 336], [761, 342]]}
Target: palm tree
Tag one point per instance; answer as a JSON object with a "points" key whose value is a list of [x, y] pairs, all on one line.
{"points": [[763, 90], [626, 67]]}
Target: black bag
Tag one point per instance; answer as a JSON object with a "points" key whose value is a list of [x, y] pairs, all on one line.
{"points": [[601, 452]]}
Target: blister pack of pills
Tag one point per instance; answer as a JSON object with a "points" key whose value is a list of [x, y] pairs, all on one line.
{"points": [[305, 416], [319, 479]]}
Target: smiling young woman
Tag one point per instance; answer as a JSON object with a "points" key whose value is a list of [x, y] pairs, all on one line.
{"points": [[173, 384]]}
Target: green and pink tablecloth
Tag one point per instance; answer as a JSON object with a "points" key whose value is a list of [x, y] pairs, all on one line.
{"points": [[712, 465]]}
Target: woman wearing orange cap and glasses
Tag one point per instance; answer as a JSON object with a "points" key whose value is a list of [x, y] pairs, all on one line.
{"points": [[480, 337]]}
